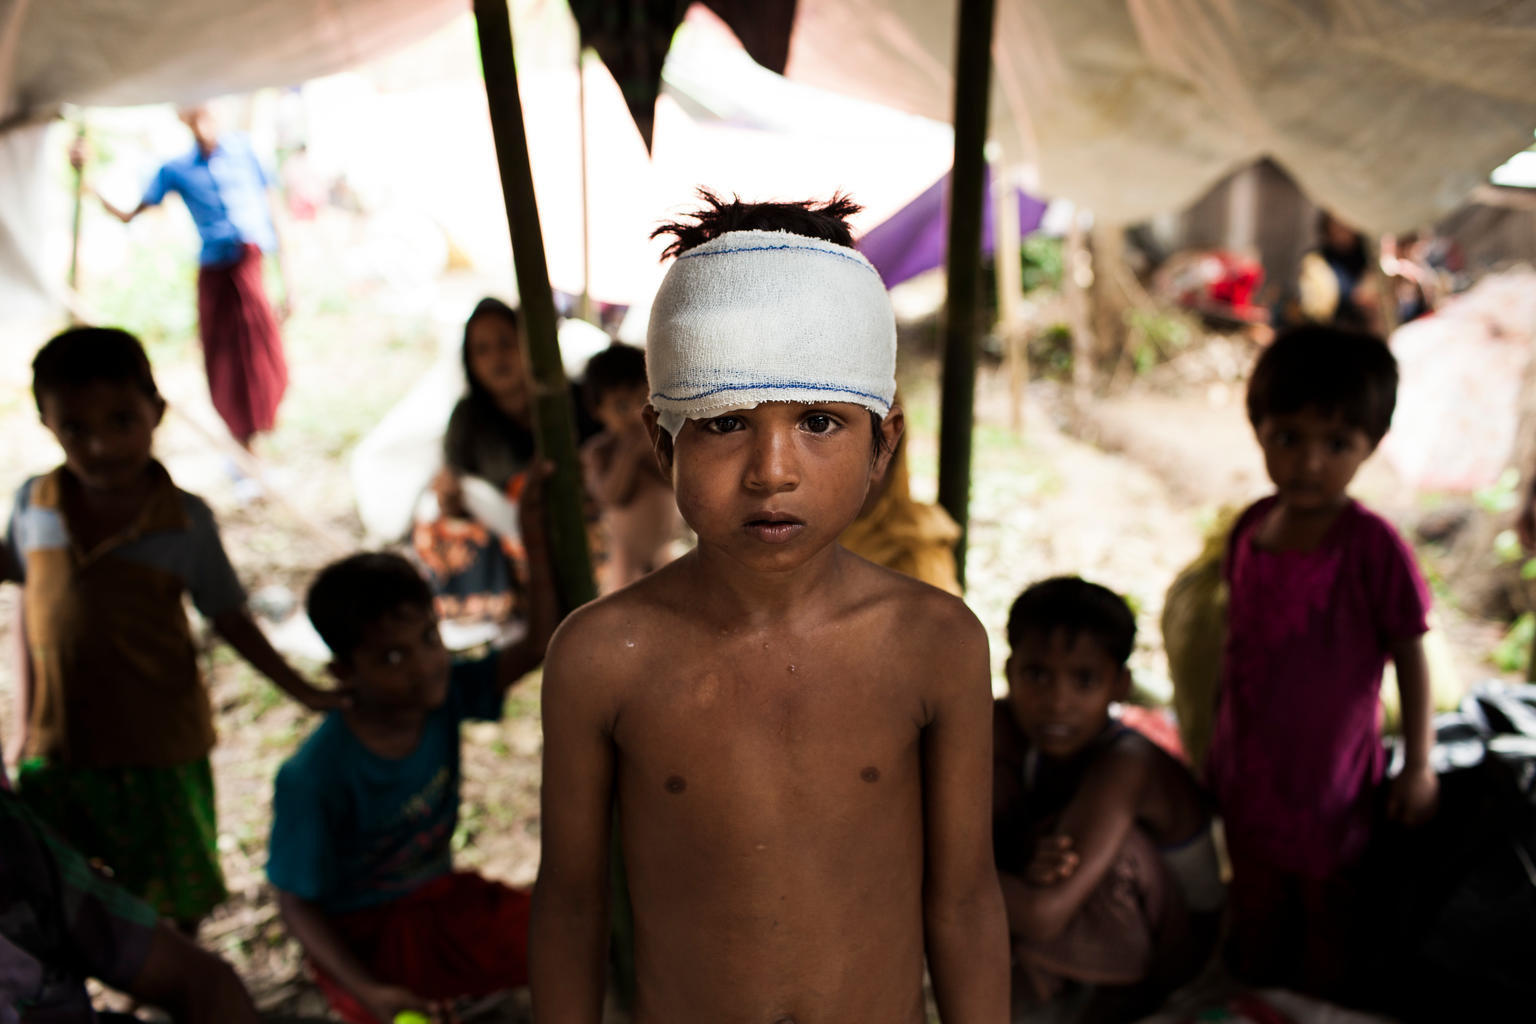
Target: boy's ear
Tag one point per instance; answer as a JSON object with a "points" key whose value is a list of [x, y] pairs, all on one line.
{"points": [[891, 427], [1122, 688], [662, 447]]}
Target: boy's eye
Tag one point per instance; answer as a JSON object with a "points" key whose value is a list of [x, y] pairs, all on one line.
{"points": [[1084, 680], [394, 657], [723, 424], [1338, 445], [818, 423]]}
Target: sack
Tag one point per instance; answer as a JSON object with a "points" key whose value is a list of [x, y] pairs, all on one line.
{"points": [[1194, 635]]}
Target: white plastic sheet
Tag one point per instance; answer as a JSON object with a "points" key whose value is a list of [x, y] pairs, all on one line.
{"points": [[1387, 112]]}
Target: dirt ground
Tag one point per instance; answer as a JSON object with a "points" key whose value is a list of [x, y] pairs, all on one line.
{"points": [[1044, 503]]}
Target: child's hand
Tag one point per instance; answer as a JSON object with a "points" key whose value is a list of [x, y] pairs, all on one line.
{"points": [[1054, 861], [1413, 796], [450, 495]]}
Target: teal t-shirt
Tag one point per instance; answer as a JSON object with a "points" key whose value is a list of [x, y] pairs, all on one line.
{"points": [[351, 829]]}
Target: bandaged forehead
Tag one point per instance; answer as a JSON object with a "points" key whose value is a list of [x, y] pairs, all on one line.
{"points": [[767, 316]]}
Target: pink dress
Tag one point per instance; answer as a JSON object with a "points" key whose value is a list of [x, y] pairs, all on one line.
{"points": [[1296, 752]]}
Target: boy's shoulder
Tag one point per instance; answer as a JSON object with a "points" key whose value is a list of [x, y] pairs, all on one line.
{"points": [[318, 766]]}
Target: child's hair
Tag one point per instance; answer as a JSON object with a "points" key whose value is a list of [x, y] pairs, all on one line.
{"points": [[827, 221], [351, 595], [83, 355], [1333, 370], [617, 366], [1074, 606]]}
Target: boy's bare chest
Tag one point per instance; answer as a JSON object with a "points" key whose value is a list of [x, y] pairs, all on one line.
{"points": [[791, 706]]}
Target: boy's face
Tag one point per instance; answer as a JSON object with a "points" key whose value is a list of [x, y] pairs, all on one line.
{"points": [[1060, 687], [496, 361], [106, 429], [401, 663], [1311, 457], [621, 409], [773, 485]]}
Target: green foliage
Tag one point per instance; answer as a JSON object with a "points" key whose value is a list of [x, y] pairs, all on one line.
{"points": [[1514, 651], [1050, 353], [1155, 335], [1042, 261], [1502, 495]]}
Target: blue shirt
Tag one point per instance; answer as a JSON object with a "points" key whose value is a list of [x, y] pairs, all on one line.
{"points": [[351, 829], [226, 194]]}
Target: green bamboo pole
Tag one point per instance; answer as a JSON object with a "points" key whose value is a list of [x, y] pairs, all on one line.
{"points": [[554, 423], [967, 184]]}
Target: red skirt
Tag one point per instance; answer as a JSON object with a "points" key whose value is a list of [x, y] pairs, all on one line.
{"points": [[242, 350], [458, 935]]}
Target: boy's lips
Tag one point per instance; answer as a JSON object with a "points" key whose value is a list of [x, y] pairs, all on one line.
{"points": [[773, 527]]}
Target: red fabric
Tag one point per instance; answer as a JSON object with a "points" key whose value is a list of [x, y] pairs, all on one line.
{"points": [[459, 935], [242, 350]]}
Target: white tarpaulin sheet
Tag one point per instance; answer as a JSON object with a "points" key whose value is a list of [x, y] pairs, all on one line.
{"points": [[1387, 111]]}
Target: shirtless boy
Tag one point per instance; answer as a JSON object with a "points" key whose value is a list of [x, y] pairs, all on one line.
{"points": [[797, 740]]}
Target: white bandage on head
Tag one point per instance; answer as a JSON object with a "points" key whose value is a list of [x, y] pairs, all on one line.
{"points": [[767, 316]]}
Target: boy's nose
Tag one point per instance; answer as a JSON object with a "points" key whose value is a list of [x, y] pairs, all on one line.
{"points": [[774, 465]]}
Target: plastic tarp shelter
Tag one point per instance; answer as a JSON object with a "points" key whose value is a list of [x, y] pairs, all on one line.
{"points": [[1388, 113], [127, 52]]}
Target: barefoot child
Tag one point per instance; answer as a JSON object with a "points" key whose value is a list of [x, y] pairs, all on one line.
{"points": [[118, 725], [1103, 841], [363, 814], [639, 513], [796, 739], [1323, 592]]}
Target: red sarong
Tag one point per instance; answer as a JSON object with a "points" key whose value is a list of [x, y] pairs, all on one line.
{"points": [[242, 350], [458, 935]]}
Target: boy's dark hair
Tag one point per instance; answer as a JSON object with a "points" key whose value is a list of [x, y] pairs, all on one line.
{"points": [[1334, 370], [827, 221], [617, 366], [1073, 605], [83, 355], [351, 595]]}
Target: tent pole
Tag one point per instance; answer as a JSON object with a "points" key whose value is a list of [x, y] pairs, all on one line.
{"points": [[973, 73], [553, 418], [585, 308]]}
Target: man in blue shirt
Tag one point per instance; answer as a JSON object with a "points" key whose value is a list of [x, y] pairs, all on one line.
{"points": [[224, 188]]}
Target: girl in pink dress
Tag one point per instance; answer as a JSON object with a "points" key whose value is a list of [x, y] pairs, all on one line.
{"points": [[1322, 592]]}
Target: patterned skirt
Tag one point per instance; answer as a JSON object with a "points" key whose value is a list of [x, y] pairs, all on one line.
{"points": [[153, 827]]}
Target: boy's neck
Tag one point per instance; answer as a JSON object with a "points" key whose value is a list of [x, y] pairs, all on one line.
{"points": [[743, 595], [388, 732]]}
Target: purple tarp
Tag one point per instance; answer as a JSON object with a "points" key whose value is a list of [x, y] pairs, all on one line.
{"points": [[914, 238]]}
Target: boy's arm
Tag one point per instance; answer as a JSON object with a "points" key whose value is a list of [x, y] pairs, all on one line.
{"points": [[1099, 817], [192, 984], [568, 939], [613, 475], [309, 925], [240, 630], [965, 930], [1415, 793], [25, 685]]}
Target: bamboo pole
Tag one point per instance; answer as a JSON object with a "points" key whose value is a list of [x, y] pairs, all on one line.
{"points": [[1010, 293], [553, 417], [973, 73], [79, 201]]}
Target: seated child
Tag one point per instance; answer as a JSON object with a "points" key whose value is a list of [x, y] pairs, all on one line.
{"points": [[62, 921], [1102, 840], [117, 723], [795, 740], [639, 513], [1323, 592], [363, 814]]}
